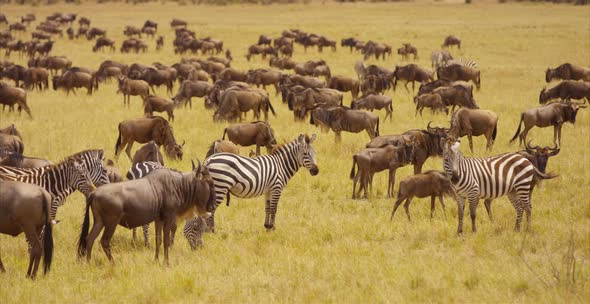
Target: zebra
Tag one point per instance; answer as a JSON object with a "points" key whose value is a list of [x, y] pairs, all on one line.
{"points": [[440, 58], [464, 62], [81, 171], [506, 174]]}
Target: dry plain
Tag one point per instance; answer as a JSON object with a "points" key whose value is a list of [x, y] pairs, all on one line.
{"points": [[326, 246]]}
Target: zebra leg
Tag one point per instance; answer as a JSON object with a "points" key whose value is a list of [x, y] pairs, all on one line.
{"points": [[519, 209], [193, 232], [271, 209], [210, 221], [488, 204], [146, 235], [472, 212], [460, 211], [527, 209]]}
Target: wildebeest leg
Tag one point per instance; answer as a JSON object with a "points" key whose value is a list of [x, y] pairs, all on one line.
{"points": [[277, 90], [488, 203], [406, 86], [525, 132], [469, 137], [153, 90], [257, 150], [96, 228], [443, 205], [339, 137], [159, 225], [146, 235], [473, 201], [400, 199], [105, 240], [559, 134], [128, 150], [407, 207], [173, 232], [432, 199], [167, 227], [34, 251], [1, 265]]}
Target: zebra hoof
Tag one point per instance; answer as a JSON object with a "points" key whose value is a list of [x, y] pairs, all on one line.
{"points": [[269, 227]]}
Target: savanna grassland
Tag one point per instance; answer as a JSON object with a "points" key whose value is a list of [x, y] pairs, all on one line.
{"points": [[326, 246]]}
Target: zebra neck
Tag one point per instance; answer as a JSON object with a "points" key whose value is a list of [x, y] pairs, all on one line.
{"points": [[287, 159], [450, 163]]}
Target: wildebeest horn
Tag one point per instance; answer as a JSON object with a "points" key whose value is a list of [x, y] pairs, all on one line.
{"points": [[193, 163], [554, 151], [183, 142], [529, 148], [428, 126]]}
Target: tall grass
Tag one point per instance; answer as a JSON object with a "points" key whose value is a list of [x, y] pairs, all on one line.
{"points": [[328, 247]]}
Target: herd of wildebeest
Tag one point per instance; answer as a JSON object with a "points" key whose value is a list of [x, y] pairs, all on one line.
{"points": [[31, 189]]}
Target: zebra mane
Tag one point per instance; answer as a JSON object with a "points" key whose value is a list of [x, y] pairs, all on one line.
{"points": [[281, 147], [77, 156]]}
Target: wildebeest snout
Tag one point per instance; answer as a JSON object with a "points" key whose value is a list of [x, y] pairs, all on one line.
{"points": [[314, 170]]}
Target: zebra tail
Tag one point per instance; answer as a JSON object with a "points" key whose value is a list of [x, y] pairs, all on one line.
{"points": [[85, 227], [494, 132], [47, 236], [353, 165], [118, 143], [518, 130]]}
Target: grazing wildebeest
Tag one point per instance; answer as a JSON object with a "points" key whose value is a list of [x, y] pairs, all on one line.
{"points": [[155, 77], [159, 104], [568, 71], [11, 143], [71, 80], [456, 72], [36, 78], [10, 96], [132, 87], [456, 96], [232, 74], [142, 130], [303, 101], [340, 119], [189, 89], [322, 70], [373, 160], [554, 114], [538, 156], [264, 77], [11, 130], [234, 102], [102, 42], [474, 122], [14, 72], [263, 39], [406, 50], [131, 30], [345, 84], [450, 41], [135, 44], [282, 63], [25, 208], [567, 89], [114, 173], [374, 102], [263, 50], [411, 73], [430, 183], [307, 68], [257, 133], [160, 197], [219, 146], [15, 159], [432, 101], [147, 152]]}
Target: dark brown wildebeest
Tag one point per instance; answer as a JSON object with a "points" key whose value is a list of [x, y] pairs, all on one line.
{"points": [[220, 145], [142, 130], [15, 72], [158, 104], [406, 50], [132, 31], [40, 35], [71, 80], [25, 208], [178, 23], [263, 39], [374, 102], [301, 102], [306, 81], [283, 40], [456, 96], [13, 46], [430, 183], [568, 71], [42, 48], [456, 72], [11, 143], [95, 32], [538, 157], [132, 87], [349, 42], [325, 42], [232, 74], [450, 41], [373, 160], [214, 97], [282, 63], [3, 19], [18, 160], [53, 63], [554, 114], [189, 89], [102, 42], [322, 70], [147, 152], [432, 101], [286, 50], [161, 196], [264, 77], [411, 73], [83, 21], [36, 78], [428, 87], [17, 26], [150, 23], [307, 68], [134, 44], [376, 49], [567, 89], [423, 143], [345, 84], [257, 133], [102, 74], [340, 119], [159, 43], [149, 31], [10, 96], [234, 102], [155, 77], [474, 122], [263, 50]]}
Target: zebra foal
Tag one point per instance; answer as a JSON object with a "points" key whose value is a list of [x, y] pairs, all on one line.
{"points": [[508, 174]]}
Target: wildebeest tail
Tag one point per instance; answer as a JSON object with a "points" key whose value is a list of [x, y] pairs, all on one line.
{"points": [[224, 131], [518, 130], [377, 128], [85, 227], [270, 106], [353, 165], [118, 143], [47, 235], [495, 131]]}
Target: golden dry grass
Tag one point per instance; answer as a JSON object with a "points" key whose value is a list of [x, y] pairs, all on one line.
{"points": [[327, 247]]}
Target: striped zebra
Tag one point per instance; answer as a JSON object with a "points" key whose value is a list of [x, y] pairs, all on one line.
{"points": [[76, 172], [464, 62], [491, 177], [251, 177]]}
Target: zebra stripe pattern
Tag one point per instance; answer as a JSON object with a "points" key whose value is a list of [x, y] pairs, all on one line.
{"points": [[251, 177], [76, 172], [464, 62], [474, 178]]}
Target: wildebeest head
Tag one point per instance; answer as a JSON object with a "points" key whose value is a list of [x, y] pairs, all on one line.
{"points": [[437, 137], [306, 156], [543, 96], [540, 156], [202, 174], [56, 81], [570, 110], [174, 150]]}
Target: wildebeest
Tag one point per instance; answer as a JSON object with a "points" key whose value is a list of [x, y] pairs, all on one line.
{"points": [[11, 130], [234, 102], [456, 72], [11, 143], [263, 39], [178, 23], [406, 50], [374, 102], [36, 78], [25, 208], [15, 159], [132, 87], [567, 89], [189, 89], [142, 130], [159, 104], [554, 114], [307, 68], [71, 80], [156, 77], [345, 84], [262, 50], [303, 101], [440, 58], [432, 101], [161, 196], [450, 41], [264, 77], [430, 183], [373, 160], [340, 119], [568, 71], [456, 96], [282, 63], [233, 74], [113, 173], [257, 133], [474, 122], [14, 72], [133, 44], [94, 32], [102, 42], [411, 72], [52, 63], [10, 96], [219, 145]]}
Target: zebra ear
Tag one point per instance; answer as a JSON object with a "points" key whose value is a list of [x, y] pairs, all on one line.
{"points": [[312, 138], [301, 138]]}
